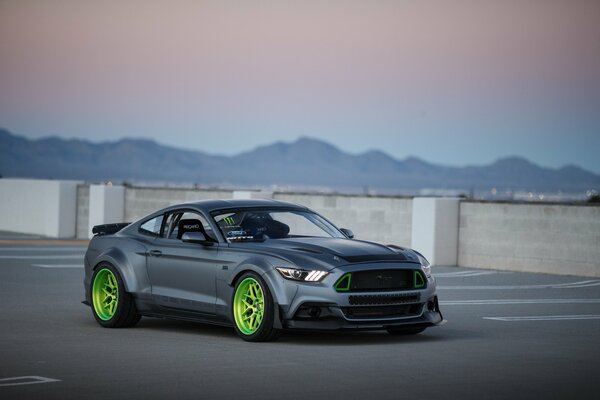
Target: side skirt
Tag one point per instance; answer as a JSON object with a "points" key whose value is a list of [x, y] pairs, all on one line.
{"points": [[180, 317]]}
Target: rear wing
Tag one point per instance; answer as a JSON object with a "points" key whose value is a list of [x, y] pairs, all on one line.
{"points": [[108, 229]]}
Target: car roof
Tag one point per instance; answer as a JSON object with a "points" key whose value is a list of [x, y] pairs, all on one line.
{"points": [[216, 205]]}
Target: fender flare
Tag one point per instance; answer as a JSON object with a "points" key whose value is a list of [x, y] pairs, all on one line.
{"points": [[118, 260], [250, 266]]}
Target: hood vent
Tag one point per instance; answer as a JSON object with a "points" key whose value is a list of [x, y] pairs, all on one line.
{"points": [[307, 250], [375, 257]]}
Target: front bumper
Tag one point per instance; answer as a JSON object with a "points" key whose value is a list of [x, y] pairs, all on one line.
{"points": [[333, 317], [318, 306]]}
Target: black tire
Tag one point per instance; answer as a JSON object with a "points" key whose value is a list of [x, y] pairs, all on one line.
{"points": [[126, 313], [266, 331], [405, 331]]}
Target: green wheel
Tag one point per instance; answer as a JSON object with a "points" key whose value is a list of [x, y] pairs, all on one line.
{"points": [[253, 309], [105, 292], [112, 306]]}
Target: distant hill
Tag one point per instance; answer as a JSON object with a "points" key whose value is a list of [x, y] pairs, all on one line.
{"points": [[303, 163]]}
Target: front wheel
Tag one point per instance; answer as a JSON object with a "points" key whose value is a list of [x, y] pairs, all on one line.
{"points": [[112, 306], [253, 309]]}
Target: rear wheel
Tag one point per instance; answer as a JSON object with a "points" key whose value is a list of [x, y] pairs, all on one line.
{"points": [[405, 331], [253, 309], [112, 306]]}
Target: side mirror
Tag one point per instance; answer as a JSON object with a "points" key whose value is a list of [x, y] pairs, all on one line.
{"points": [[349, 234], [195, 237]]}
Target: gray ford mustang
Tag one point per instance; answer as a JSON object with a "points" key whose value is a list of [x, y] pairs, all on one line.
{"points": [[261, 266]]}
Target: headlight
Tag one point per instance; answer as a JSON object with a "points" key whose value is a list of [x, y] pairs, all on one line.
{"points": [[425, 266], [301, 274]]}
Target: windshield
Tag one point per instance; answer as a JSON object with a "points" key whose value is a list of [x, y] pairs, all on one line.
{"points": [[258, 225]]}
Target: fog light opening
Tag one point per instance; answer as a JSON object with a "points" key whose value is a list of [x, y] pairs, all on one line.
{"points": [[431, 305], [314, 312]]}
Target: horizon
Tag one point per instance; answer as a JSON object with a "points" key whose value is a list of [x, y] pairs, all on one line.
{"points": [[453, 84], [295, 140]]}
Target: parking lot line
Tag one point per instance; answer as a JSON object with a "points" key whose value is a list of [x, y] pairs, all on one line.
{"points": [[463, 274], [29, 249], [517, 301], [26, 380], [14, 237], [46, 242], [36, 257], [544, 318], [569, 285], [57, 265]]}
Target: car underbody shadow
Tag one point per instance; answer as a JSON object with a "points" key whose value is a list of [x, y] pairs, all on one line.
{"points": [[375, 337]]}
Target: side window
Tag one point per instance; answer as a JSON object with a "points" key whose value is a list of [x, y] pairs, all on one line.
{"points": [[152, 226], [176, 220], [170, 231]]}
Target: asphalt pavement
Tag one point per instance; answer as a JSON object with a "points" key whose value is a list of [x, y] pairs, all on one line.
{"points": [[508, 336]]}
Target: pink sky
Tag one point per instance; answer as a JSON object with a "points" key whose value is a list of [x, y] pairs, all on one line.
{"points": [[407, 77]]}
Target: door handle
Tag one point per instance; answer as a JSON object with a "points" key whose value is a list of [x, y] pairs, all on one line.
{"points": [[155, 253]]}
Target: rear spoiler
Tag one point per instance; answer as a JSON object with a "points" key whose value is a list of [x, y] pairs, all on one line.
{"points": [[108, 229]]}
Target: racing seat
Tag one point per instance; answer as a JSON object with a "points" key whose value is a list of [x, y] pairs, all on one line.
{"points": [[191, 225], [260, 226]]}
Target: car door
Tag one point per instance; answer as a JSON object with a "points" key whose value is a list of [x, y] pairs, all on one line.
{"points": [[183, 275]]}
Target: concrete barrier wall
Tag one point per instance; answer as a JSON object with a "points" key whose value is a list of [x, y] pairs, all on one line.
{"points": [[383, 219], [39, 207], [83, 211], [107, 205], [557, 239], [386, 220], [140, 201], [435, 229]]}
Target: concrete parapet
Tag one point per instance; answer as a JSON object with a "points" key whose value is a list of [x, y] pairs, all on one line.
{"points": [[107, 205], [83, 211], [435, 229], [251, 194], [557, 239], [39, 207], [550, 238], [141, 201], [381, 219]]}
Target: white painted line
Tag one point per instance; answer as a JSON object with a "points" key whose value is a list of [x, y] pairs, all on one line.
{"points": [[26, 380], [570, 285], [57, 265], [455, 272], [12, 237], [42, 257], [544, 318], [517, 301], [48, 249], [463, 274], [587, 285]]}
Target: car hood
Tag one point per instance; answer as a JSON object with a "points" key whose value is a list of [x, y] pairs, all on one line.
{"points": [[329, 253]]}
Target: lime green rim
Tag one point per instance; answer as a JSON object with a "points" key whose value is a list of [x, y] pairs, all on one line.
{"points": [[105, 294], [248, 306]]}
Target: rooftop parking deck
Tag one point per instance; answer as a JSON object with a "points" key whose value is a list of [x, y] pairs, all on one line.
{"points": [[509, 335]]}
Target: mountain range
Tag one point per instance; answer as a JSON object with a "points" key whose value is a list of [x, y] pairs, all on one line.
{"points": [[305, 162]]}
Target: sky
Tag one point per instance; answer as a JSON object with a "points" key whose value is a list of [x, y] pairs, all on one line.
{"points": [[452, 82]]}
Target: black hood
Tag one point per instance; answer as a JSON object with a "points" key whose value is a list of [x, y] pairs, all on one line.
{"points": [[332, 252]]}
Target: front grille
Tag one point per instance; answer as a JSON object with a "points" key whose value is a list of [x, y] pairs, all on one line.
{"points": [[384, 299], [381, 280], [382, 311]]}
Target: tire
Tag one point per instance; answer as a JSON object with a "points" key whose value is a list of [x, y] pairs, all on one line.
{"points": [[112, 306], [405, 331], [253, 309]]}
